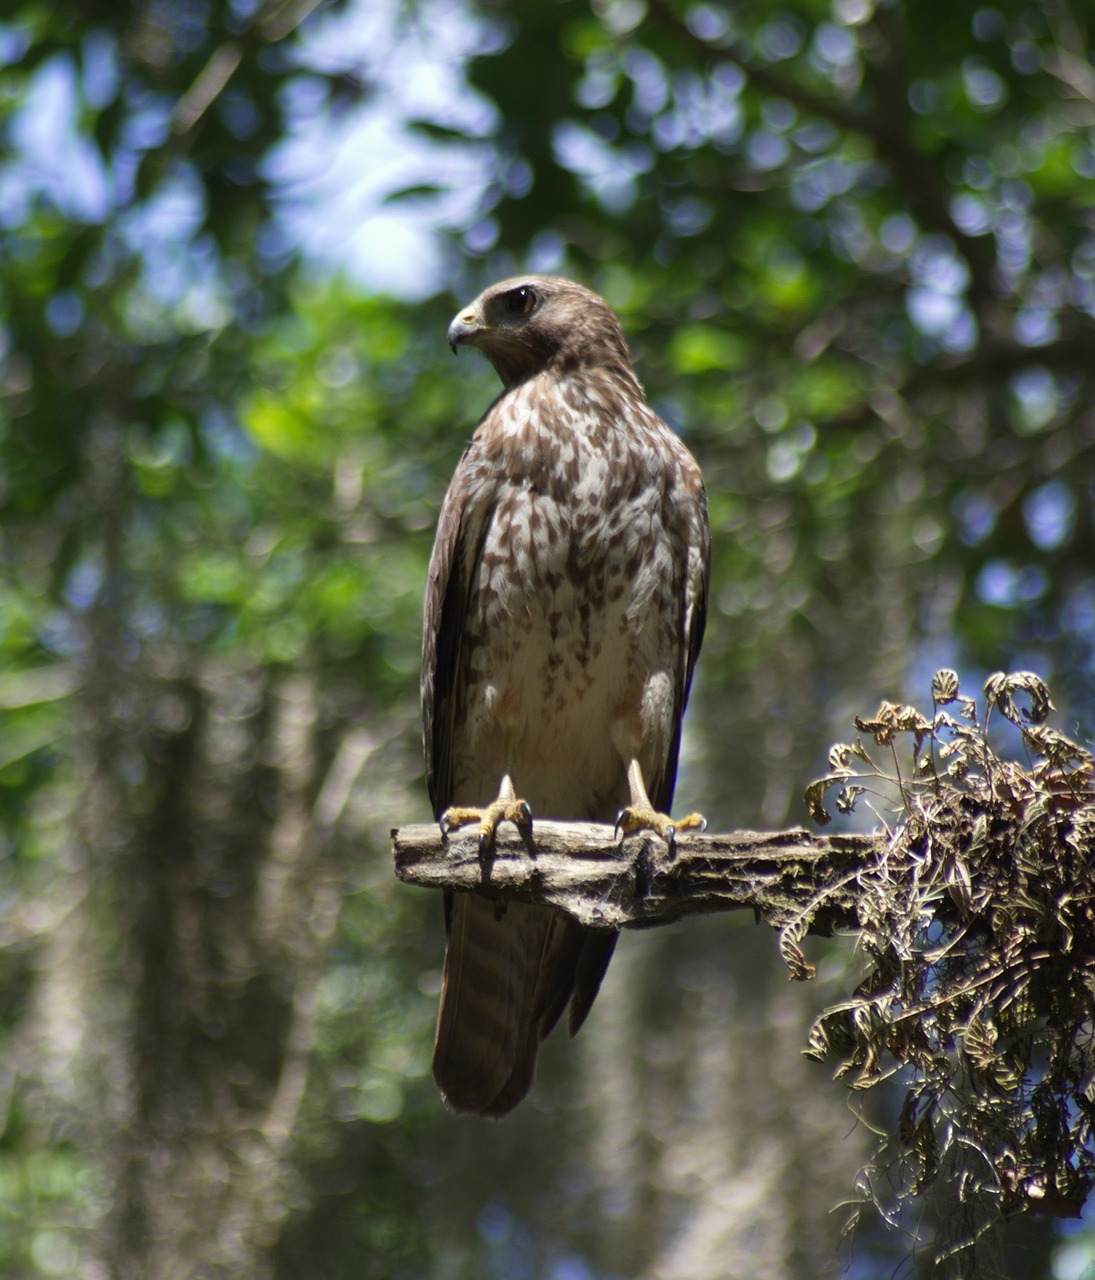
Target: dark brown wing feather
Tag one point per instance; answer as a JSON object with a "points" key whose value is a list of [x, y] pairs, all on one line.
{"points": [[508, 979], [693, 622], [442, 630]]}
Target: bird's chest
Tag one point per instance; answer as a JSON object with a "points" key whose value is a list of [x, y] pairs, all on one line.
{"points": [[570, 516], [569, 599], [562, 568]]}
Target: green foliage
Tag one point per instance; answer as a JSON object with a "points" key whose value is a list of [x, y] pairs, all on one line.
{"points": [[210, 484], [851, 247]]}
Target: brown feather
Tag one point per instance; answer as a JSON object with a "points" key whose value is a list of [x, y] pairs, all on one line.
{"points": [[568, 580]]}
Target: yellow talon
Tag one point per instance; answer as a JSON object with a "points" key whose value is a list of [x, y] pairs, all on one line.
{"points": [[640, 814], [644, 818], [506, 808]]}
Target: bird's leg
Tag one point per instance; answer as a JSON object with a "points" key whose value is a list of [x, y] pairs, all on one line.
{"points": [[506, 808], [640, 814]]}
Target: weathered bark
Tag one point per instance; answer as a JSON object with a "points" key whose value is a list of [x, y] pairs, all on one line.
{"points": [[585, 869]]}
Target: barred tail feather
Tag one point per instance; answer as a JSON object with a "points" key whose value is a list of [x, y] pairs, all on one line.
{"points": [[507, 979]]}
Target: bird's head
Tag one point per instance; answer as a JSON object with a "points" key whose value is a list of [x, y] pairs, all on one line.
{"points": [[529, 323]]}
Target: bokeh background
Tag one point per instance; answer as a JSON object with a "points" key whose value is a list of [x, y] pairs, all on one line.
{"points": [[853, 246]]}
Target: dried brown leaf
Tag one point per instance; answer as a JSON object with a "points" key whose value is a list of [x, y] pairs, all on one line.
{"points": [[944, 687]]}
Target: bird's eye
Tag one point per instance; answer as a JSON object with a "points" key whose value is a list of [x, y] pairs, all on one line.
{"points": [[520, 301]]}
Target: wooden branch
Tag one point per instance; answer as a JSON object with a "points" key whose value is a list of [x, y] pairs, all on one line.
{"points": [[583, 868]]}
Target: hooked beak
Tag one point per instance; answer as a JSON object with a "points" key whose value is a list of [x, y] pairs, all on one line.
{"points": [[465, 328]]}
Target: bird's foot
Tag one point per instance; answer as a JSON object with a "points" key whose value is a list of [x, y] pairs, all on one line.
{"points": [[504, 809], [646, 818]]}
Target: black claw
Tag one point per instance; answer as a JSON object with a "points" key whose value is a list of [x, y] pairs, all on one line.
{"points": [[619, 823], [670, 836], [526, 815], [703, 824], [443, 823], [484, 843]]}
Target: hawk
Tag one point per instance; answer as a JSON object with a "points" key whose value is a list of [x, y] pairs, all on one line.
{"points": [[564, 610]]}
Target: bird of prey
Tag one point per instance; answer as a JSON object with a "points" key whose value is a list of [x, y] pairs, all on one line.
{"points": [[564, 610]]}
